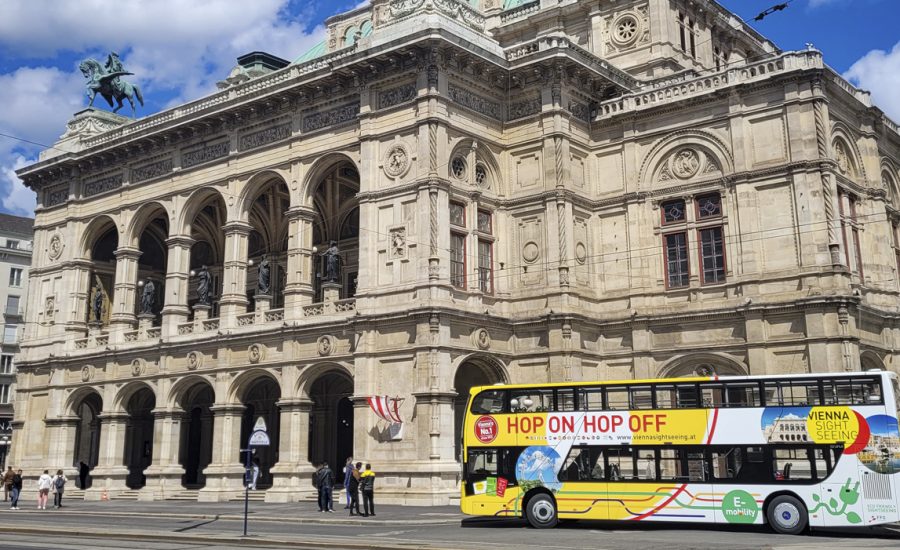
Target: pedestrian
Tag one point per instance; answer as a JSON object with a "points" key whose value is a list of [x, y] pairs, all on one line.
{"points": [[367, 484], [325, 482], [83, 470], [16, 490], [44, 484], [353, 489], [7, 482], [254, 474], [57, 485], [348, 473]]}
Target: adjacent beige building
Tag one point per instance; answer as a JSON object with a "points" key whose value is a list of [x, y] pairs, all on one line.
{"points": [[520, 192]]}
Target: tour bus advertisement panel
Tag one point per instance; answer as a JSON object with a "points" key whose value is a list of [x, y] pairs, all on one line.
{"points": [[546, 445]]}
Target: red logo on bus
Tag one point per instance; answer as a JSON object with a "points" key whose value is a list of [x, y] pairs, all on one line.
{"points": [[486, 429]]}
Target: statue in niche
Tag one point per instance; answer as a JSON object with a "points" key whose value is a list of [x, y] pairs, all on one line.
{"points": [[98, 300], [332, 258], [148, 298], [203, 281], [263, 280]]}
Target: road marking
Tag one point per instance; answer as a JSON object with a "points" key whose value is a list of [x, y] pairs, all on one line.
{"points": [[387, 534]]}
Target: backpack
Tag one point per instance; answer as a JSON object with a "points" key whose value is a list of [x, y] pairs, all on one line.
{"points": [[60, 483]]}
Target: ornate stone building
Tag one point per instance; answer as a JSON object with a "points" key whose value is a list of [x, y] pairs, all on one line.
{"points": [[520, 192]]}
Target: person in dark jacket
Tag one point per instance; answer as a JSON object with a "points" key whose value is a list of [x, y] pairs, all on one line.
{"points": [[16, 490], [353, 490], [325, 483], [367, 484]]}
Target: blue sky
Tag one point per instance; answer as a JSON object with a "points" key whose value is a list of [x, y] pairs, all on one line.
{"points": [[178, 49]]}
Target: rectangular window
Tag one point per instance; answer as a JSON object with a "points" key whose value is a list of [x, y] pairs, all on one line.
{"points": [[565, 400], [742, 394], [620, 464], [850, 232], [583, 464], [10, 334], [676, 260], [726, 463], [486, 266], [10, 243], [15, 276], [712, 255], [6, 362], [12, 305], [457, 214], [484, 222], [717, 56], [617, 399], [673, 212], [681, 31], [693, 38], [4, 394], [489, 402], [531, 401], [676, 397], [590, 399], [641, 397], [852, 392], [896, 239], [793, 464], [709, 206], [683, 465], [458, 260]]}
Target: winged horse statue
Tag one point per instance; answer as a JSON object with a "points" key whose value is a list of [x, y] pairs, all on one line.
{"points": [[104, 79]]}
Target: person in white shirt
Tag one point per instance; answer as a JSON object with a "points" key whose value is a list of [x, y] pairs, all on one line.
{"points": [[44, 484]]}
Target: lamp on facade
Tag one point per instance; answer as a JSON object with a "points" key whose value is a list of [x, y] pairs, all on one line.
{"points": [[140, 282]]}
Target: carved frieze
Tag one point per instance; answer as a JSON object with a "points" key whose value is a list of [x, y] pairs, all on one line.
{"points": [[264, 137], [325, 345], [339, 115], [475, 102], [152, 170], [204, 154], [525, 108], [395, 96], [56, 195], [102, 185]]}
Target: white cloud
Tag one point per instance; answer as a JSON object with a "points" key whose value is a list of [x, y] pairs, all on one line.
{"points": [[19, 199], [879, 72], [819, 3]]}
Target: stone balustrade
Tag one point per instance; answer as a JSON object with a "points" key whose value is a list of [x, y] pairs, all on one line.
{"points": [[520, 12]]}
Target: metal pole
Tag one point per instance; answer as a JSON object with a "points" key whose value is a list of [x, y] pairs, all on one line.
{"points": [[246, 486]]}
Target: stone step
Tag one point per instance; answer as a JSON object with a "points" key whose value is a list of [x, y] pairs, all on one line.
{"points": [[187, 494], [131, 494]]}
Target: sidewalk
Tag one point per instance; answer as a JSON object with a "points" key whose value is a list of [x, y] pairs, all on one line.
{"points": [[302, 512]]}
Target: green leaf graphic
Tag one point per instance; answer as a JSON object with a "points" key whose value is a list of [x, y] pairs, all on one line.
{"points": [[833, 504], [853, 517]]}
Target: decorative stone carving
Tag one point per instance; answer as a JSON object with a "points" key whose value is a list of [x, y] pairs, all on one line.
{"points": [[325, 345], [686, 163], [102, 185], [580, 253], [194, 360], [317, 121], [530, 252], [55, 247], [138, 366], [264, 137], [396, 96], [204, 154], [49, 308], [456, 9], [398, 242], [87, 373], [396, 161], [843, 159], [625, 29], [481, 338], [256, 353], [525, 108], [56, 195], [150, 171], [475, 102], [704, 370], [580, 111]]}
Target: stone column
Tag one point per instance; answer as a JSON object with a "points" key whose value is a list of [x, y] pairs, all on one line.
{"points": [[291, 475], [164, 475], [298, 289], [78, 299], [110, 474], [224, 475], [122, 315], [61, 433], [175, 310], [234, 276]]}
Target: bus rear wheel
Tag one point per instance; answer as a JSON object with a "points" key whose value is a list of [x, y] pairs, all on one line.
{"points": [[541, 512], [786, 515]]}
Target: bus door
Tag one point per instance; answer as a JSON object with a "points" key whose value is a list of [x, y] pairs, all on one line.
{"points": [[584, 479]]}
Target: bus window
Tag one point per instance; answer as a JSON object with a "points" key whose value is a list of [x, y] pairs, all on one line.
{"points": [[666, 398], [681, 464], [792, 464], [531, 401], [896, 385], [742, 394], [590, 399], [687, 396], [852, 392], [646, 464], [565, 400], [726, 463], [617, 398], [799, 393], [641, 397], [711, 395], [583, 464], [620, 464], [774, 394], [482, 462], [488, 402], [822, 462]]}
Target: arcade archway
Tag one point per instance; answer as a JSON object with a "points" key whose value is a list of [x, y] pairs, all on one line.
{"points": [[259, 402], [337, 220], [196, 434], [471, 373], [139, 436], [331, 420], [87, 433]]}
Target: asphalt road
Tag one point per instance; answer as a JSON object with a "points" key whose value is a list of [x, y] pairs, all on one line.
{"points": [[73, 530]]}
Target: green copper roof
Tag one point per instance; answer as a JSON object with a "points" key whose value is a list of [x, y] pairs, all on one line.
{"points": [[510, 4], [316, 51]]}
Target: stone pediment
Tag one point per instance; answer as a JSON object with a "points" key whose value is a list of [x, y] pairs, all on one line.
{"points": [[85, 124]]}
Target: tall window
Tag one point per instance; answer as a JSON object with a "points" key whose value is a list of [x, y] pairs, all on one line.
{"points": [[10, 333], [4, 394], [678, 224], [485, 252], [847, 204], [896, 239], [712, 255], [677, 272], [457, 245], [12, 305], [15, 276], [681, 31], [6, 361], [691, 29]]}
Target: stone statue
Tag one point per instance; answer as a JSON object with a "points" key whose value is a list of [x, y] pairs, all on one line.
{"points": [[148, 298], [332, 258], [203, 282], [98, 300], [104, 79], [263, 276]]}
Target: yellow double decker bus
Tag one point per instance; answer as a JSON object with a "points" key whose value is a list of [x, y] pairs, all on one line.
{"points": [[792, 451]]}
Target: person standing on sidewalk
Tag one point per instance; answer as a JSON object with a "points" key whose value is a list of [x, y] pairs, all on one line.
{"points": [[58, 484], [353, 489], [44, 483], [16, 490], [348, 473], [7, 483], [326, 486], [368, 490]]}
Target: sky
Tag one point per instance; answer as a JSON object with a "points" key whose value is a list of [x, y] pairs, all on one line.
{"points": [[179, 49]]}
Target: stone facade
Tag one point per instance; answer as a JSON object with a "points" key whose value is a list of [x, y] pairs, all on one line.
{"points": [[554, 191]]}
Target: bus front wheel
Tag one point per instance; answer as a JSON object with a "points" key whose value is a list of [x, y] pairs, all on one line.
{"points": [[541, 512], [787, 515]]}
